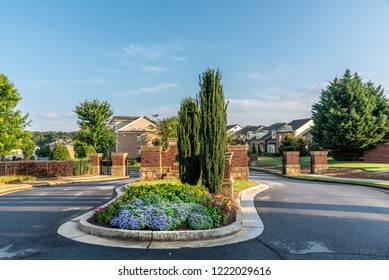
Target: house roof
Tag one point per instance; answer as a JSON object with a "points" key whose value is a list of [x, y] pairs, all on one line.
{"points": [[121, 122], [296, 124], [122, 119], [274, 127], [231, 126], [248, 129]]}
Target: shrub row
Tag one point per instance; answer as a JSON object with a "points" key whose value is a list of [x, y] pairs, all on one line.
{"points": [[45, 169]]}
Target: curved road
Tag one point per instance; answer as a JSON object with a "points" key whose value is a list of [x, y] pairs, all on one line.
{"points": [[312, 220], [303, 220]]}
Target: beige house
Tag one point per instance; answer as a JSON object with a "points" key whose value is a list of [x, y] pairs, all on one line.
{"points": [[132, 133]]}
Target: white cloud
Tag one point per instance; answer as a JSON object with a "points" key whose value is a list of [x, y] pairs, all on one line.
{"points": [[151, 89], [52, 116], [58, 116], [150, 51], [270, 108], [178, 58], [155, 69], [159, 87], [38, 84], [89, 82], [254, 75]]}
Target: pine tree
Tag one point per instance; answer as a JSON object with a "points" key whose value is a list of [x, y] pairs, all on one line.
{"points": [[213, 122], [189, 142], [350, 117]]}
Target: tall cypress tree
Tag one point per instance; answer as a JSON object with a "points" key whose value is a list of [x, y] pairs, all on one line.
{"points": [[213, 133], [189, 142]]}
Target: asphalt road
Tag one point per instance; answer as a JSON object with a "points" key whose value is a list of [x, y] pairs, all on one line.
{"points": [[303, 220], [312, 220]]}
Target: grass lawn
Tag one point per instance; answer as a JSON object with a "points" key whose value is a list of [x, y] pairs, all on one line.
{"points": [[239, 185], [372, 167]]}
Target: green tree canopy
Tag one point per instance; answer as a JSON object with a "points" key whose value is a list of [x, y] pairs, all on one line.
{"points": [[350, 117], [291, 143], [167, 128], [12, 122], [93, 118], [60, 152]]}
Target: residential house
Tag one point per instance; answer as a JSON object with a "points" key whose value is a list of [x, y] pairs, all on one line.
{"points": [[233, 128], [132, 133], [249, 133], [265, 138], [268, 139]]}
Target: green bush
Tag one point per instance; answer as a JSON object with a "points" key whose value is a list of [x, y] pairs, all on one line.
{"points": [[165, 191], [106, 213], [60, 152], [15, 179]]}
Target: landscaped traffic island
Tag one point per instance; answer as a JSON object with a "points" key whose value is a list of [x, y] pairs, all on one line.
{"points": [[164, 207]]}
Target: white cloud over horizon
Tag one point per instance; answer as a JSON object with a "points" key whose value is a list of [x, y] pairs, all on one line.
{"points": [[150, 89], [268, 109]]}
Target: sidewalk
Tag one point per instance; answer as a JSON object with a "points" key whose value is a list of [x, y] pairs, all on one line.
{"points": [[13, 187]]}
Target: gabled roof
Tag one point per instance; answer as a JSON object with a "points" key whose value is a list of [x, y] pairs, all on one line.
{"points": [[248, 129], [296, 124], [121, 122], [122, 119], [231, 126], [274, 127]]}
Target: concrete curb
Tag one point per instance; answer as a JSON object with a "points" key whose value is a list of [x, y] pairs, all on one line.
{"points": [[248, 225]]}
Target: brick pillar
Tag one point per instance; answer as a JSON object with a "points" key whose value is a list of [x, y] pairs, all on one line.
{"points": [[253, 159], [228, 181], [119, 167], [95, 161], [239, 163], [151, 168], [319, 162], [291, 163]]}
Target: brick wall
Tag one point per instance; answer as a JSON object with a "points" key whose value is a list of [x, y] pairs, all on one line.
{"points": [[128, 142], [158, 164], [380, 154]]}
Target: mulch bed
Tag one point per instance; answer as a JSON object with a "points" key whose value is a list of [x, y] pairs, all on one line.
{"points": [[356, 174]]}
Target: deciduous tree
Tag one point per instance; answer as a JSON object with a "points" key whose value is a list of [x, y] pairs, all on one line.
{"points": [[12, 121], [93, 118]]}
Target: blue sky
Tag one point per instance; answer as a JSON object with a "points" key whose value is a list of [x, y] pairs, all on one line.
{"points": [[144, 57]]}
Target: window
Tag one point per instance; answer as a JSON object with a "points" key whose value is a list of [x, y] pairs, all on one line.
{"points": [[270, 148], [139, 138], [273, 134]]}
